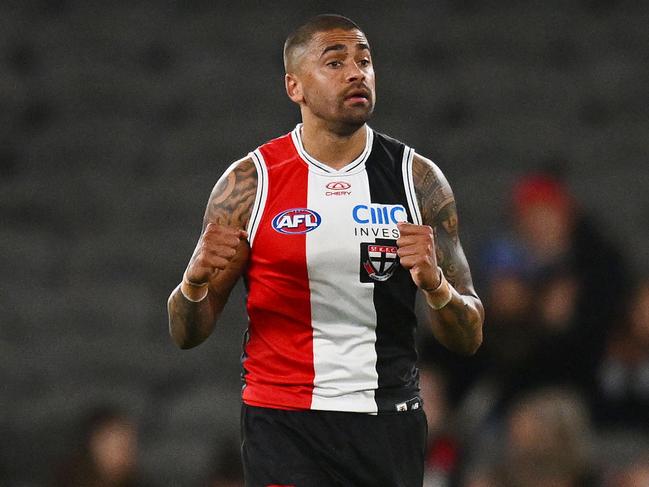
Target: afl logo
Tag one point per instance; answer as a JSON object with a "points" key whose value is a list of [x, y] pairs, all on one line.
{"points": [[296, 220], [338, 185]]}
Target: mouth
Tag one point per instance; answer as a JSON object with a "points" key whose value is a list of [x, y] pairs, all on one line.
{"points": [[358, 95]]}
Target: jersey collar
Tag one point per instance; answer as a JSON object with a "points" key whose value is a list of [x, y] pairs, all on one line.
{"points": [[320, 167]]}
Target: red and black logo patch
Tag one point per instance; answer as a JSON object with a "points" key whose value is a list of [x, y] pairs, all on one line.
{"points": [[379, 260]]}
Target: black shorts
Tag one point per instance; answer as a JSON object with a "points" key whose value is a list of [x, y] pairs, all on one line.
{"points": [[330, 448]]}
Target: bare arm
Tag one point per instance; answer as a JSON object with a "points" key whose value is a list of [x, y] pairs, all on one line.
{"points": [[458, 324], [219, 259]]}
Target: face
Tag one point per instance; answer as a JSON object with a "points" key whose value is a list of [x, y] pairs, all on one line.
{"points": [[113, 448], [334, 79]]}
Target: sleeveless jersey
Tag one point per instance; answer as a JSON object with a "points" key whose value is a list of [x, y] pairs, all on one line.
{"points": [[331, 311]]}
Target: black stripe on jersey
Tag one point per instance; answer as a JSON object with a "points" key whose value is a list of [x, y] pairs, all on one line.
{"points": [[394, 299]]}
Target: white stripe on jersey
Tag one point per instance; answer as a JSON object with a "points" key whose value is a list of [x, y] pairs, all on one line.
{"points": [[261, 195], [411, 194], [351, 167], [342, 308]]}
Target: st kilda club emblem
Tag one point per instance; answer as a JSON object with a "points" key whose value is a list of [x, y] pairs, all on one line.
{"points": [[379, 260]]}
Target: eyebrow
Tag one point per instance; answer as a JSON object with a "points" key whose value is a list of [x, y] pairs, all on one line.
{"points": [[343, 47]]}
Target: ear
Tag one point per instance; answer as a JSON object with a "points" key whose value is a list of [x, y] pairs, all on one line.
{"points": [[293, 88]]}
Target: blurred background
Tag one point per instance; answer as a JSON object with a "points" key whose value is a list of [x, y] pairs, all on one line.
{"points": [[117, 118]]}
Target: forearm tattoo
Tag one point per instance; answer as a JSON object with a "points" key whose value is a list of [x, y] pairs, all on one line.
{"points": [[230, 204]]}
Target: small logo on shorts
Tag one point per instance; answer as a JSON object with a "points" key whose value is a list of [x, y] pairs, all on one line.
{"points": [[409, 405]]}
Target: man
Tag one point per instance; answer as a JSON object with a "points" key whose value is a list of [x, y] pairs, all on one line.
{"points": [[317, 223]]}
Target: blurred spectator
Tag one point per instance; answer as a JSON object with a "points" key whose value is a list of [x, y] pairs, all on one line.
{"points": [[547, 443], [545, 214], [512, 334], [480, 477], [106, 455], [227, 470], [622, 397], [579, 278], [553, 289], [442, 453], [634, 475]]}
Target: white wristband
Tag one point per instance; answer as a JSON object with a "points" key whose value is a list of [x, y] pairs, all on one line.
{"points": [[194, 300], [441, 295], [205, 289]]}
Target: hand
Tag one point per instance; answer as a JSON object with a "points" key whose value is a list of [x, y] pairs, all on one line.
{"points": [[417, 254], [215, 249]]}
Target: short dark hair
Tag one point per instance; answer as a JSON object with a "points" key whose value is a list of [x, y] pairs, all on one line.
{"points": [[320, 23]]}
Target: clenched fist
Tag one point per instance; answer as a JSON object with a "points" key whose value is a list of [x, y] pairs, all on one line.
{"points": [[215, 249], [417, 254]]}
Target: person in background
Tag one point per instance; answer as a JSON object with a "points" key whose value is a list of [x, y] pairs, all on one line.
{"points": [[442, 451], [547, 442], [580, 280], [513, 333], [636, 474], [622, 395], [106, 455]]}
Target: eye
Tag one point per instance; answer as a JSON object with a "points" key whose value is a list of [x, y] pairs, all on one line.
{"points": [[334, 64], [364, 62]]}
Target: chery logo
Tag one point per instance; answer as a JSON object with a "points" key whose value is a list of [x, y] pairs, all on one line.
{"points": [[338, 188], [338, 185]]}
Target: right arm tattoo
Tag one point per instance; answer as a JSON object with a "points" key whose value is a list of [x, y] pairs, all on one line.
{"points": [[230, 204], [233, 196]]}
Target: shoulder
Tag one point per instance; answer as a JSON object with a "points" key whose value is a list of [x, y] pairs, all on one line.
{"points": [[433, 190], [387, 142], [277, 149], [389, 145]]}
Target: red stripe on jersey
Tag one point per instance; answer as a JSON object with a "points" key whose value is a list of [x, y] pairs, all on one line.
{"points": [[278, 360]]}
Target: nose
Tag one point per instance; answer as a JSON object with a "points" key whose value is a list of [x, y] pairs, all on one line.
{"points": [[355, 73]]}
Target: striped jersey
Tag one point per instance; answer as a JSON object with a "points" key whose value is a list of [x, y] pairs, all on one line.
{"points": [[331, 311]]}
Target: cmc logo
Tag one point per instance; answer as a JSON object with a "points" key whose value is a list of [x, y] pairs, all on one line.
{"points": [[338, 185], [379, 214], [296, 220]]}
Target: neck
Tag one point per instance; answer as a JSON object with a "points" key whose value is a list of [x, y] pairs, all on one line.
{"points": [[331, 146]]}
